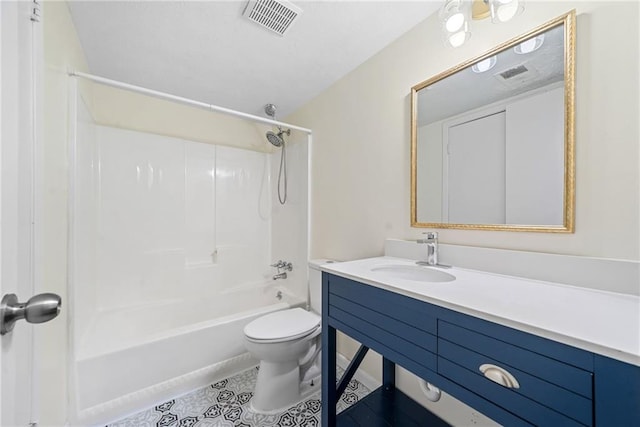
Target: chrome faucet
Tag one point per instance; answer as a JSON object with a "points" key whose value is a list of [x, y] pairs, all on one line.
{"points": [[282, 275], [282, 265], [431, 240]]}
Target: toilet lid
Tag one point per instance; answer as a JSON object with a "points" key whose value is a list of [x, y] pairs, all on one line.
{"points": [[291, 323]]}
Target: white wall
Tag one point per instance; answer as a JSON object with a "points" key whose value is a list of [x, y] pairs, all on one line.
{"points": [[361, 187]]}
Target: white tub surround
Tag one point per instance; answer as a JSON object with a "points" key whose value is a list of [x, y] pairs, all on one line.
{"points": [[170, 246], [603, 322]]}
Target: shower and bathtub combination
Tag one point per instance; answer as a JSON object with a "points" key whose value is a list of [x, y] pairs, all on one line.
{"points": [[171, 246]]}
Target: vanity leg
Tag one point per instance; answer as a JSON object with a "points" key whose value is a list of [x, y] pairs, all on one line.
{"points": [[329, 395], [351, 370], [388, 374], [329, 398]]}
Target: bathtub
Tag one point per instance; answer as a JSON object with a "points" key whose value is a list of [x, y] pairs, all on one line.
{"points": [[132, 358]]}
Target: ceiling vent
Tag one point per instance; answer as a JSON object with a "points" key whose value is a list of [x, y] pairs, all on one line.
{"points": [[519, 76], [512, 72], [275, 15]]}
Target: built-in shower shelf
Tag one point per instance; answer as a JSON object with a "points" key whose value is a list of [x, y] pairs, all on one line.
{"points": [[388, 408]]}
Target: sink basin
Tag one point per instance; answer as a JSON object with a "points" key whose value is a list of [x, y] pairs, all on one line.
{"points": [[415, 273]]}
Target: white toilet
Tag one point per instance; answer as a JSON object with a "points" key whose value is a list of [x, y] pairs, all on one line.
{"points": [[287, 343]]}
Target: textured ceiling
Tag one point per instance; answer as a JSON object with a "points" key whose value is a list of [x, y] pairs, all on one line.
{"points": [[466, 90], [208, 52]]}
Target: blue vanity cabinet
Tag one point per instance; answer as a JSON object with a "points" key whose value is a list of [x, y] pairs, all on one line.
{"points": [[553, 384], [553, 388]]}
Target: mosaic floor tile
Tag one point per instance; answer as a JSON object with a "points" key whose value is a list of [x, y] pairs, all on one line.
{"points": [[226, 404]]}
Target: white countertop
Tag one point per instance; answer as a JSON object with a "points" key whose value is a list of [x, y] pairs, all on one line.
{"points": [[602, 322]]}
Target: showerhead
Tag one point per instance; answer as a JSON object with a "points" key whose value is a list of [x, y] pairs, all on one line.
{"points": [[275, 138]]}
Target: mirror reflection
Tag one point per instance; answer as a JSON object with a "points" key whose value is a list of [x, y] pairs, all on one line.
{"points": [[490, 140]]}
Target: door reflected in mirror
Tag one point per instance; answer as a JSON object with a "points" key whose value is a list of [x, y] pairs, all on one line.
{"points": [[492, 139]]}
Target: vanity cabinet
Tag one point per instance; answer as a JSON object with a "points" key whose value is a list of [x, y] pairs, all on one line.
{"points": [[527, 379]]}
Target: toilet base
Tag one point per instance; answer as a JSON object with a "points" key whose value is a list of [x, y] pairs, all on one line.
{"points": [[278, 387]]}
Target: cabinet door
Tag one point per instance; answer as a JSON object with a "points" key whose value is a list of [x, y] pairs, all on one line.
{"points": [[617, 393]]}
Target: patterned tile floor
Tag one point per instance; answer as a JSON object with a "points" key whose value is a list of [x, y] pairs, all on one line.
{"points": [[226, 404]]}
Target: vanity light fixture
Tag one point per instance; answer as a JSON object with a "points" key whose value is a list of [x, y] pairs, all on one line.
{"points": [[504, 10], [530, 45], [484, 65], [454, 16]]}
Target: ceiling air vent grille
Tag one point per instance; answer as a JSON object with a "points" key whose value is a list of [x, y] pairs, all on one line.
{"points": [[520, 76], [275, 15], [512, 72]]}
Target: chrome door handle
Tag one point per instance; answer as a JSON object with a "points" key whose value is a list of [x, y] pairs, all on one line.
{"points": [[39, 309]]}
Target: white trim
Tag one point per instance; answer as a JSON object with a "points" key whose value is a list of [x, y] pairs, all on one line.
{"points": [[36, 204], [367, 380], [309, 211], [2, 291], [132, 403], [187, 101], [17, 140], [72, 126]]}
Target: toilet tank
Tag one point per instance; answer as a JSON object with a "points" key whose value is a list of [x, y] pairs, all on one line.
{"points": [[315, 283]]}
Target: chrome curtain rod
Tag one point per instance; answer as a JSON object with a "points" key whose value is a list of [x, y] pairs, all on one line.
{"points": [[186, 101]]}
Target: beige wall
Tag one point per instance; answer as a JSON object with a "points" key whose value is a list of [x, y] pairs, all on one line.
{"points": [[360, 181], [129, 110], [361, 138]]}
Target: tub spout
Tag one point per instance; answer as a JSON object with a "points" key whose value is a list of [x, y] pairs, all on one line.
{"points": [[282, 275]]}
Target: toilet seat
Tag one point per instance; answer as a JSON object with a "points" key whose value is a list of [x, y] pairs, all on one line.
{"points": [[281, 326]]}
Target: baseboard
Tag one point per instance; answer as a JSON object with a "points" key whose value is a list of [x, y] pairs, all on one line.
{"points": [[132, 403], [367, 380]]}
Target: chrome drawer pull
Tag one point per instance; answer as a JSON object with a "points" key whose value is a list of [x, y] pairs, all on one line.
{"points": [[499, 375]]}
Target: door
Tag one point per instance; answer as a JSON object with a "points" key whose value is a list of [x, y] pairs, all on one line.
{"points": [[18, 65], [475, 190]]}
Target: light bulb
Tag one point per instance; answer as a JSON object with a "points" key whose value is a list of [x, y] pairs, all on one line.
{"points": [[454, 16], [505, 10], [454, 22], [484, 65], [458, 39], [530, 45], [527, 46]]}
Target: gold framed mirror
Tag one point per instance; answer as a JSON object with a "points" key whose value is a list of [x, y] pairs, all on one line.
{"points": [[492, 139]]}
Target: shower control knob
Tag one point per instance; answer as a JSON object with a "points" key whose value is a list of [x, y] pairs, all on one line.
{"points": [[39, 309]]}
